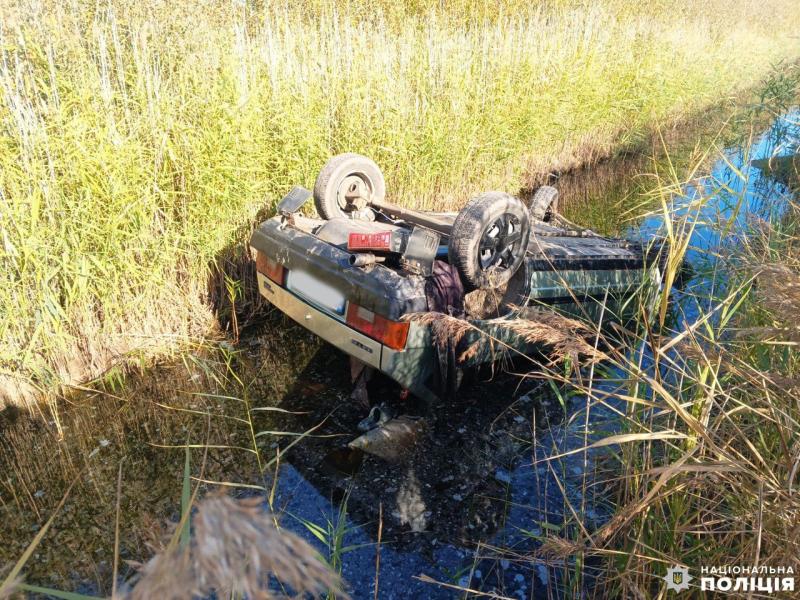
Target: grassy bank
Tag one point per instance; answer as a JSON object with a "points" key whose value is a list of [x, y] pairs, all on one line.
{"points": [[138, 143]]}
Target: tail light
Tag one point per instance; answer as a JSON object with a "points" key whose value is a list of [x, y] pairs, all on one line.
{"points": [[370, 241], [382, 241], [270, 268], [390, 333]]}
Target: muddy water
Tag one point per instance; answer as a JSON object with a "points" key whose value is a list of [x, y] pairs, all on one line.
{"points": [[476, 479]]}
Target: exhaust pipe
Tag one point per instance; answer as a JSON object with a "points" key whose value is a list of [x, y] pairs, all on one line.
{"points": [[363, 259]]}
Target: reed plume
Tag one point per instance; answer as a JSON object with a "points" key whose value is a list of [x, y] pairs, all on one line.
{"points": [[237, 548]]}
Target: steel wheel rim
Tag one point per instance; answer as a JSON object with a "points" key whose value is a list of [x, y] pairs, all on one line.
{"points": [[498, 242], [350, 184]]}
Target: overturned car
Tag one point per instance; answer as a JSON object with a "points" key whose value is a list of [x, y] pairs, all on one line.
{"points": [[357, 275]]}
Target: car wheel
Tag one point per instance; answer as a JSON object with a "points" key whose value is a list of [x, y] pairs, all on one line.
{"points": [[545, 203], [489, 240], [346, 184]]}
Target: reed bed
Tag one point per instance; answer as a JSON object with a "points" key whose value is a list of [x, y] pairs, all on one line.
{"points": [[139, 449], [702, 470], [138, 142], [699, 462], [236, 549]]}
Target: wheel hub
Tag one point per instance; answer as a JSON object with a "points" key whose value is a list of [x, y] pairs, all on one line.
{"points": [[497, 245], [353, 193]]}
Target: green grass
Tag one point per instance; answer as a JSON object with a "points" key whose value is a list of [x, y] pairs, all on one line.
{"points": [[138, 143]]}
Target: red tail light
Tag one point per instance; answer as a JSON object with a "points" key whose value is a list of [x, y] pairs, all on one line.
{"points": [[270, 268], [370, 241], [390, 333]]}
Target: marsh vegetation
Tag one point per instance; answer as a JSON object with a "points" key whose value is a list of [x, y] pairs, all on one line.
{"points": [[139, 144]]}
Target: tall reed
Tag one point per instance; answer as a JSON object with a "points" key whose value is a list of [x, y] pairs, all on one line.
{"points": [[138, 142], [703, 465]]}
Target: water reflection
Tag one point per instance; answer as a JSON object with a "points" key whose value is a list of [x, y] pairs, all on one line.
{"points": [[749, 184]]}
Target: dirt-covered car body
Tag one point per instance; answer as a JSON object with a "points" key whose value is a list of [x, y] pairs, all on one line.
{"points": [[305, 270]]}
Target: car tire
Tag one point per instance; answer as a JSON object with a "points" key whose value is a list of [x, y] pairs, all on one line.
{"points": [[545, 203], [489, 240], [341, 172]]}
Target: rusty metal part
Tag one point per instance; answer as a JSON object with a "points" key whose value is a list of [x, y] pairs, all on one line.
{"points": [[362, 259], [412, 216], [355, 192]]}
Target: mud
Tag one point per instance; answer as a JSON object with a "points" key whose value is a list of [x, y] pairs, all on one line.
{"points": [[453, 482]]}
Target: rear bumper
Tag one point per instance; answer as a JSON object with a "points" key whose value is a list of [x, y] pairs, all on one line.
{"points": [[340, 335], [410, 367], [379, 289]]}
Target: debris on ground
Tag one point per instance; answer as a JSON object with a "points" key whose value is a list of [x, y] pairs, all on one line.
{"points": [[391, 440]]}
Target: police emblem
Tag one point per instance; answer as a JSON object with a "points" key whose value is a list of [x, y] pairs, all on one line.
{"points": [[677, 578]]}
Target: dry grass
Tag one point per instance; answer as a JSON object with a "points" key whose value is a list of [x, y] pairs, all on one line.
{"points": [[485, 303], [7, 590], [706, 461], [562, 338], [445, 329], [711, 484], [237, 549], [779, 291]]}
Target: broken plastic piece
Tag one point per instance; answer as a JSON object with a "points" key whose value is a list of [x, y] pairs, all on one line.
{"points": [[393, 440]]}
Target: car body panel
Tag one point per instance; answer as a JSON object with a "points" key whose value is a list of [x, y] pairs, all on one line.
{"points": [[596, 279]]}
